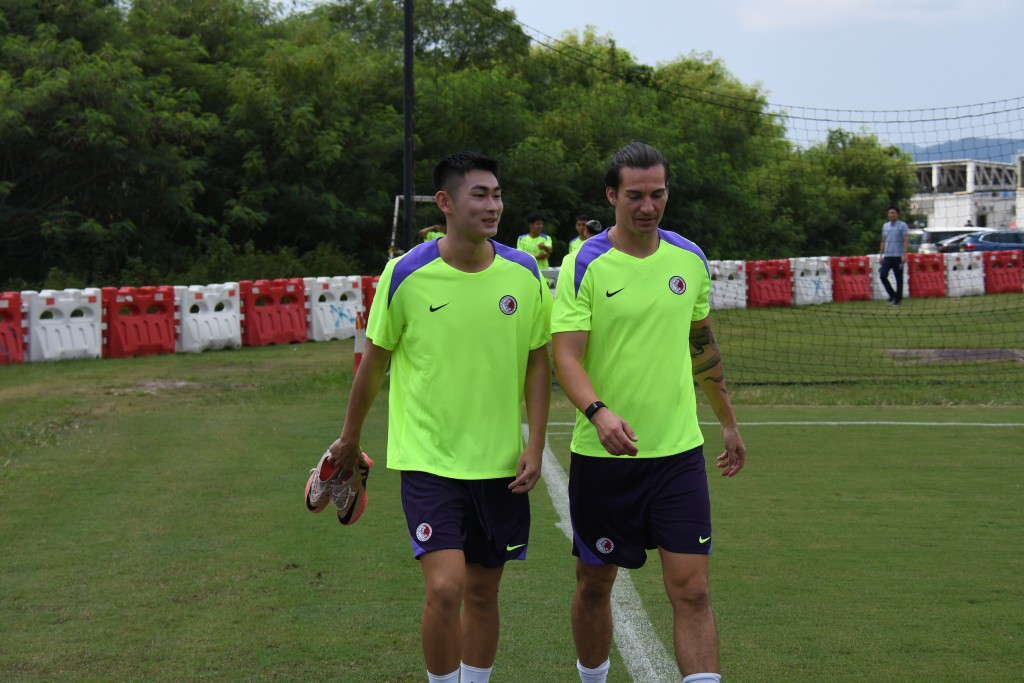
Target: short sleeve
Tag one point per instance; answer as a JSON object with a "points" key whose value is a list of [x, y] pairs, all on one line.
{"points": [[571, 311], [386, 321]]}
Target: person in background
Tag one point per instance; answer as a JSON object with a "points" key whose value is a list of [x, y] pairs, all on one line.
{"points": [[581, 233], [535, 242], [432, 232], [628, 302], [893, 248], [454, 419], [590, 228]]}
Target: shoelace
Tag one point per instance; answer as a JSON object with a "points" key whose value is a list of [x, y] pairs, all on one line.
{"points": [[341, 491], [322, 487]]}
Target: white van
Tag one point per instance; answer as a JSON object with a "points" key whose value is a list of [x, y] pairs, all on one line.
{"points": [[926, 240]]}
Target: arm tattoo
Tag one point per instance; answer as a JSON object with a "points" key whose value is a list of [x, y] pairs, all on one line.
{"points": [[705, 354]]}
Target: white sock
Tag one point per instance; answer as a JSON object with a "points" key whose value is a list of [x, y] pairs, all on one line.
{"points": [[598, 674], [471, 674], [703, 678], [453, 677]]}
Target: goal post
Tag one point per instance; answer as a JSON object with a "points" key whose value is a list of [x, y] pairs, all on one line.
{"points": [[393, 249]]}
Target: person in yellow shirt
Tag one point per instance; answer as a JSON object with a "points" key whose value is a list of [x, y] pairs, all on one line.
{"points": [[590, 228], [535, 242]]}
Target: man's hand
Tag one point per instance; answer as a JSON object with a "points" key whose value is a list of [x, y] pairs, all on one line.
{"points": [[615, 434], [348, 456], [528, 471], [731, 461]]}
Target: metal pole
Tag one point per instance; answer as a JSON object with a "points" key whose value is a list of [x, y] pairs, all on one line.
{"points": [[410, 204]]}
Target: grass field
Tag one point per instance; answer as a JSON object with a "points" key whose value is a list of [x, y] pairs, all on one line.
{"points": [[151, 528]]}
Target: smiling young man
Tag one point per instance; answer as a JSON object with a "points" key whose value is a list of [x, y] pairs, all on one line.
{"points": [[464, 322], [628, 302]]}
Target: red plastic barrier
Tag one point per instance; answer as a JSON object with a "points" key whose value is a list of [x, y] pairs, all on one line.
{"points": [[926, 275], [273, 312], [140, 321], [769, 283], [1003, 272], [369, 291], [12, 333], [851, 278]]}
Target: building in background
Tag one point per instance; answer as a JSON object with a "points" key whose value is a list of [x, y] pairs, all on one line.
{"points": [[951, 193]]}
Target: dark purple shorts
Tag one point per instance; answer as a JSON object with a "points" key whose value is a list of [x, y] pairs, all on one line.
{"points": [[622, 507], [482, 518]]}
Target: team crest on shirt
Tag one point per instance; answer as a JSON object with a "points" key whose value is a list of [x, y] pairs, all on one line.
{"points": [[677, 284], [604, 545], [508, 304], [424, 532]]}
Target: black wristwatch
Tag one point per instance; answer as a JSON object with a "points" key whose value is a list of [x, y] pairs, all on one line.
{"points": [[593, 408]]}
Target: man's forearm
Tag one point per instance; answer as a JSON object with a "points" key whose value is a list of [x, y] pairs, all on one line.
{"points": [[537, 394], [709, 373], [365, 387]]}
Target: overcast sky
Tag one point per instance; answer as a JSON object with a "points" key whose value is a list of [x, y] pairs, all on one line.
{"points": [[830, 54]]}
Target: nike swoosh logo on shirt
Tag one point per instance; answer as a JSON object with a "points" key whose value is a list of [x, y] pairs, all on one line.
{"points": [[434, 309], [611, 294]]}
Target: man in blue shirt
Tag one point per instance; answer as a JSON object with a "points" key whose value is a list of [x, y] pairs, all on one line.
{"points": [[893, 250]]}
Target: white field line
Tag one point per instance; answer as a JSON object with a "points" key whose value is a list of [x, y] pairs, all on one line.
{"points": [[645, 656]]}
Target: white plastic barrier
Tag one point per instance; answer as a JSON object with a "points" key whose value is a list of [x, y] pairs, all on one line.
{"points": [[728, 284], [878, 292], [812, 280], [551, 275], [333, 303], [207, 318], [965, 274], [64, 324]]}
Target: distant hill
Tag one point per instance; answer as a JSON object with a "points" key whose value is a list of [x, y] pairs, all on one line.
{"points": [[978, 149]]}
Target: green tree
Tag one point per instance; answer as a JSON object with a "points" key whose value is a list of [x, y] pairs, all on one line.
{"points": [[99, 163]]}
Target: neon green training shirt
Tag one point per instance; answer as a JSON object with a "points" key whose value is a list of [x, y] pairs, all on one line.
{"points": [[637, 313], [531, 245], [460, 343]]}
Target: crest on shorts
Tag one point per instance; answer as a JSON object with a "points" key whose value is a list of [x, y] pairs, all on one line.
{"points": [[424, 532], [508, 304], [604, 545], [677, 284]]}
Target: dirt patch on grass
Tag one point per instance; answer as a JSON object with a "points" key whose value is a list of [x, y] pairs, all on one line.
{"points": [[927, 356], [154, 387]]}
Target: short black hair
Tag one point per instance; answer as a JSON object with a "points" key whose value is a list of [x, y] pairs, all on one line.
{"points": [[534, 217], [583, 217], [457, 165], [893, 208], [633, 155]]}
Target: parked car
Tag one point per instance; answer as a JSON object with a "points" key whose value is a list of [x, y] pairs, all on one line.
{"points": [[949, 245], [925, 240], [996, 240]]}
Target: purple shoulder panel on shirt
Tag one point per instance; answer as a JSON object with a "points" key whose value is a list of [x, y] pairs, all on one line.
{"points": [[517, 256], [585, 255], [421, 255], [678, 240]]}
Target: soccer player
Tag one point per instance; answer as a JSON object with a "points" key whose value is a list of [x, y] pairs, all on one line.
{"points": [[464, 322], [626, 303], [581, 233], [535, 242]]}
